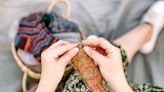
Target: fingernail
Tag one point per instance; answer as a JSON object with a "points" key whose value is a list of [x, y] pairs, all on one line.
{"points": [[86, 48], [75, 49]]}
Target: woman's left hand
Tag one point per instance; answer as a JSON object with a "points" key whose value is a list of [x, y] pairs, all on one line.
{"points": [[109, 63], [54, 61]]}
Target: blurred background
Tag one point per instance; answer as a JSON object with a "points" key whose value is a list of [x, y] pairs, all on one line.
{"points": [[121, 17]]}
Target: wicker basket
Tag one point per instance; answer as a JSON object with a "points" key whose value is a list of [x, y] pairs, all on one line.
{"points": [[27, 72]]}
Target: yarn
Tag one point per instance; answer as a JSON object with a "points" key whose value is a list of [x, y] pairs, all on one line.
{"points": [[36, 32]]}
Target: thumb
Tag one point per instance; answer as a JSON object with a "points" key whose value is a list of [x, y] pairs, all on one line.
{"points": [[96, 56], [66, 58]]}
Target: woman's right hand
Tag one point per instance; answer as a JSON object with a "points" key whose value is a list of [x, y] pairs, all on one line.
{"points": [[110, 64], [54, 60]]}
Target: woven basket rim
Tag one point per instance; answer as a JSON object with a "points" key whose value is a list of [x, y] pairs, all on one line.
{"points": [[66, 2], [22, 66]]}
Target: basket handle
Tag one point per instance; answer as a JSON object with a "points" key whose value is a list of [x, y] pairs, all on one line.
{"points": [[24, 82], [66, 2]]}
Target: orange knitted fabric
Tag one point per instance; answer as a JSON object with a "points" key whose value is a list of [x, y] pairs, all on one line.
{"points": [[88, 71]]}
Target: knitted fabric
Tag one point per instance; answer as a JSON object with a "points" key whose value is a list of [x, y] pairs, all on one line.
{"points": [[88, 71], [36, 31], [58, 24]]}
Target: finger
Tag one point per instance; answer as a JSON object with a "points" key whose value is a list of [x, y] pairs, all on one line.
{"points": [[96, 56], [66, 58], [56, 52], [98, 42], [59, 43]]}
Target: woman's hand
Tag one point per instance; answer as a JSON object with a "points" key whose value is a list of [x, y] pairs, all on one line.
{"points": [[54, 61], [110, 64]]}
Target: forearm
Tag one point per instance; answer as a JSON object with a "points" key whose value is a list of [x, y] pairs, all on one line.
{"points": [[137, 37]]}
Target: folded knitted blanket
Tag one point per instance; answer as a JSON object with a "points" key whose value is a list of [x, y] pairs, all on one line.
{"points": [[38, 31]]}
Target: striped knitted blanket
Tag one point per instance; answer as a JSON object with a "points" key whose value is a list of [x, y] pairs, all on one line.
{"points": [[36, 31]]}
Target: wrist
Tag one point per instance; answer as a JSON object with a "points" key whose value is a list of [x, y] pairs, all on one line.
{"points": [[120, 85], [47, 85]]}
